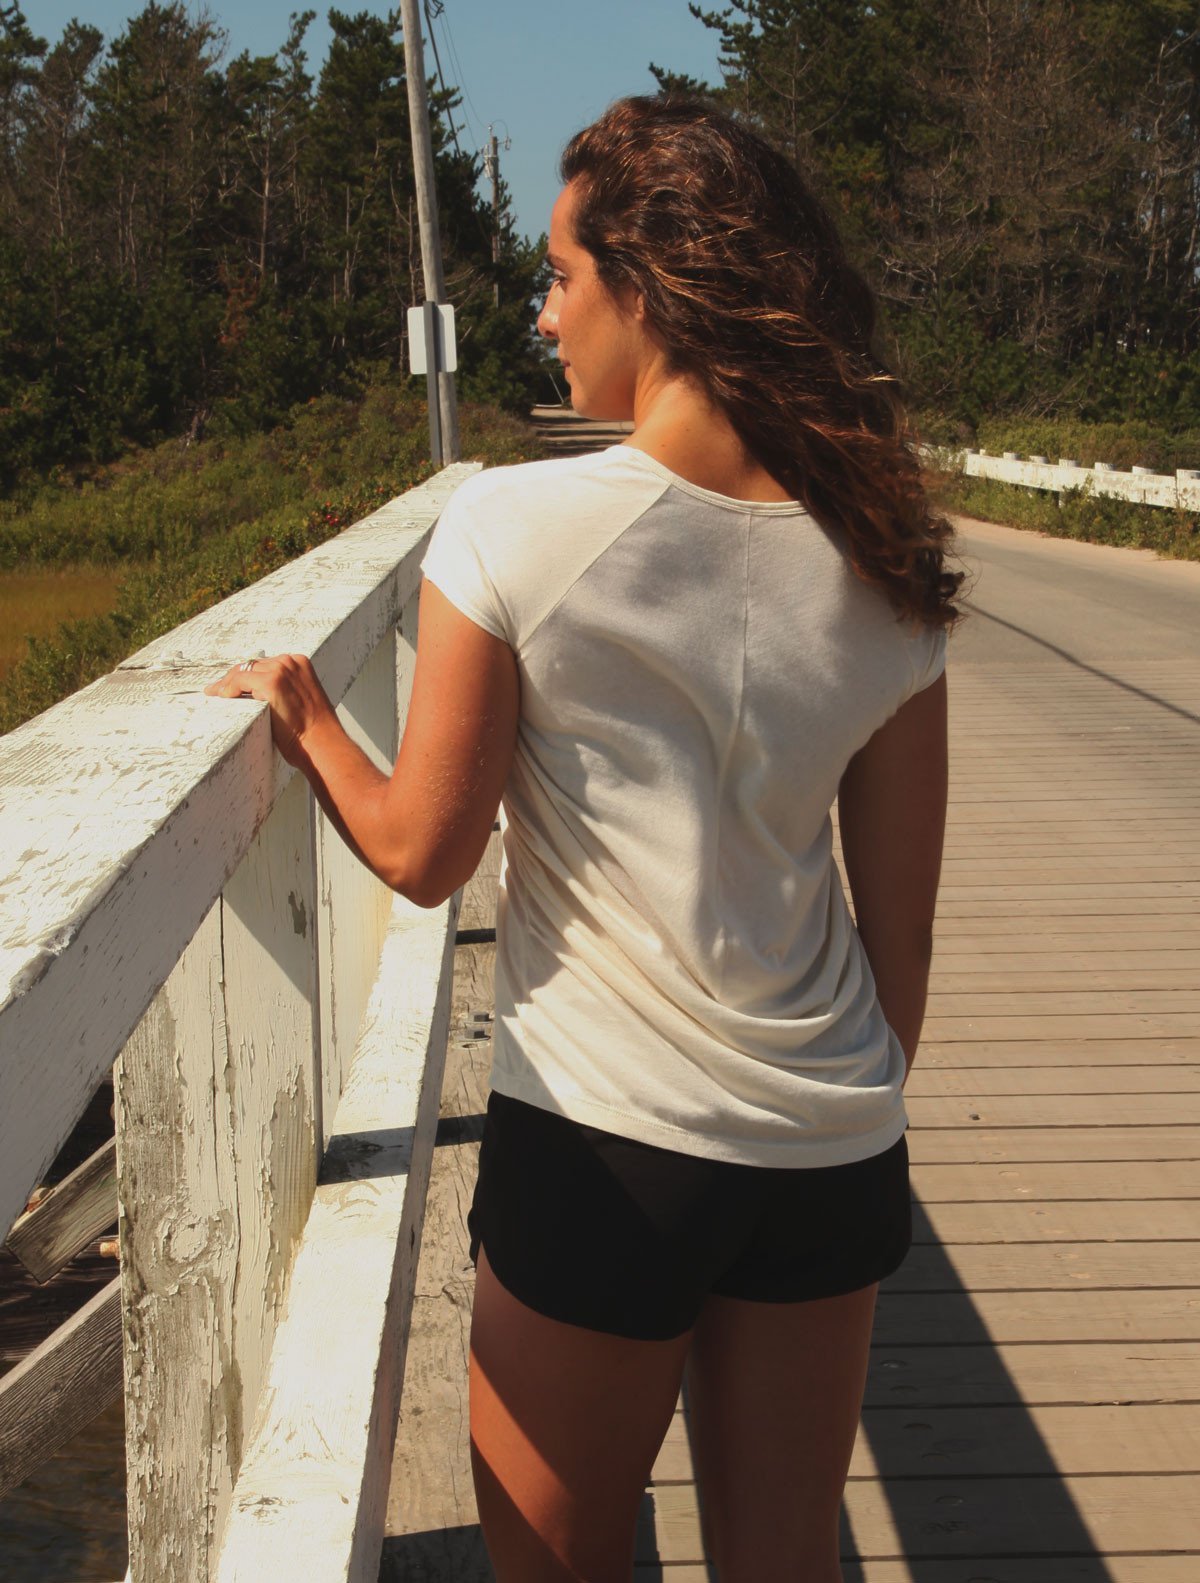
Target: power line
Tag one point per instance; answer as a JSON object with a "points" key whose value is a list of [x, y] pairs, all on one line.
{"points": [[456, 63], [430, 13]]}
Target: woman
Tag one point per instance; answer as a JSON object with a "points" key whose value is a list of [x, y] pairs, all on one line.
{"points": [[669, 658]]}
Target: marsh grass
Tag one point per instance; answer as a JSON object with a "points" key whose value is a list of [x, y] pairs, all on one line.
{"points": [[34, 604], [180, 528]]}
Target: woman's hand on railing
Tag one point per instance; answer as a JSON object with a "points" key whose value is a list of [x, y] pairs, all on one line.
{"points": [[289, 686], [423, 828]]}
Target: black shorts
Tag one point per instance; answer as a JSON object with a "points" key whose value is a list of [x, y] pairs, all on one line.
{"points": [[629, 1238]]}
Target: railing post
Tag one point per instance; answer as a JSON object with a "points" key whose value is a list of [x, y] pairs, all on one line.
{"points": [[355, 906], [218, 1143]]}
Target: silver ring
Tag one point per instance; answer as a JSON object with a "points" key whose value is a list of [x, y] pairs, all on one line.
{"points": [[246, 665]]}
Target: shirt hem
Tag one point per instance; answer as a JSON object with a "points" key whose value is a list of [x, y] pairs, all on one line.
{"points": [[796, 1153]]}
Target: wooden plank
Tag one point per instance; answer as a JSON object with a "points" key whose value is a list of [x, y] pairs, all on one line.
{"points": [[673, 1464], [1051, 1025], [668, 1528], [956, 1146], [930, 1082], [653, 1572], [921, 1319], [439, 1555], [1016, 810], [1007, 875], [479, 898], [990, 915], [1177, 924], [1131, 1371], [1058, 1220], [106, 872], [70, 1216], [1068, 958], [1048, 1110], [354, 906], [1137, 1054], [1093, 1180], [1037, 1567], [1011, 1441], [431, 1484], [986, 1002], [311, 1493], [71, 1378], [1067, 983], [1062, 1266], [218, 1137], [1024, 1517]]}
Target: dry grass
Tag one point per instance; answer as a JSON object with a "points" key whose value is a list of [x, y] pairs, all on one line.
{"points": [[32, 604]]}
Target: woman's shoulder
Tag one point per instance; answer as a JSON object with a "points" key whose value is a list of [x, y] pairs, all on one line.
{"points": [[567, 502], [523, 487]]}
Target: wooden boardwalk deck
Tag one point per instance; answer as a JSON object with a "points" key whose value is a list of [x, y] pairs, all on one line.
{"points": [[1033, 1406]]}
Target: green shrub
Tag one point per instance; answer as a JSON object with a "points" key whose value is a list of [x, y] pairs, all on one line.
{"points": [[1098, 519], [208, 520], [1131, 444]]}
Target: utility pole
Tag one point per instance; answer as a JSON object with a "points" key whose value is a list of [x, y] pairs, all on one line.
{"points": [[440, 385], [493, 164]]}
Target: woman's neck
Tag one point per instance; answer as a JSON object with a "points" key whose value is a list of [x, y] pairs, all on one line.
{"points": [[676, 424]]}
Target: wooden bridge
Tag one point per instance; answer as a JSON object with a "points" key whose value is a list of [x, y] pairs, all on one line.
{"points": [[301, 1070]]}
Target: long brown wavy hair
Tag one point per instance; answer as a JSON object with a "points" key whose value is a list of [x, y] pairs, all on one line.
{"points": [[745, 278]]}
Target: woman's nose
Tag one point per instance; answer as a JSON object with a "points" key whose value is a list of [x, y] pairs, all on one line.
{"points": [[547, 321]]}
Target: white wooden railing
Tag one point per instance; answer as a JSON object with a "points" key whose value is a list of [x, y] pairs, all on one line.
{"points": [[174, 902], [1140, 485]]}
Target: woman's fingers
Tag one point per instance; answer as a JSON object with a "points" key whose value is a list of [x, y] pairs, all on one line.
{"points": [[288, 685]]}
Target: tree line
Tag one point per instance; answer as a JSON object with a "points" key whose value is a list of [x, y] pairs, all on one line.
{"points": [[1020, 179], [190, 241]]}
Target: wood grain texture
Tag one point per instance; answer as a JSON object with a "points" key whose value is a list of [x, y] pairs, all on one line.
{"points": [[61, 1386], [355, 906], [1125, 1314], [70, 1216], [432, 1523], [1052, 1267], [311, 1493], [217, 1142], [1113, 1141], [431, 1484], [1028, 1440], [1096, 1181]]}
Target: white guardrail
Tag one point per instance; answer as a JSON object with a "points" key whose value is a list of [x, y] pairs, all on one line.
{"points": [[173, 900], [1140, 485]]}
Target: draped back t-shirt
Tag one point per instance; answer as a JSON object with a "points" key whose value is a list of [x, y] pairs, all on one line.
{"points": [[676, 961]]}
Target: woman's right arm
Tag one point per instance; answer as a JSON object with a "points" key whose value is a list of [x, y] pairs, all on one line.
{"points": [[892, 815]]}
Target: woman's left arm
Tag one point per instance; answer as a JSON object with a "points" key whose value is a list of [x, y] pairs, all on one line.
{"points": [[423, 829]]}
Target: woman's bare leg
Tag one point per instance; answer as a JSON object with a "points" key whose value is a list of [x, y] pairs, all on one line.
{"points": [[774, 1395], [565, 1426]]}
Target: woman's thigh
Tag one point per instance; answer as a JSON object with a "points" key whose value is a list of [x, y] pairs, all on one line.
{"points": [[565, 1425], [774, 1393]]}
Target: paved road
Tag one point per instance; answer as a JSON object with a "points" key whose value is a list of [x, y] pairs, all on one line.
{"points": [[1035, 599]]}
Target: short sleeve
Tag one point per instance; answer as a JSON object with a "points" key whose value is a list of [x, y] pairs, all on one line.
{"points": [[928, 658], [456, 562]]}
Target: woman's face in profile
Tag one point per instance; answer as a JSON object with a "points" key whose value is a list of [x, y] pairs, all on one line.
{"points": [[602, 342]]}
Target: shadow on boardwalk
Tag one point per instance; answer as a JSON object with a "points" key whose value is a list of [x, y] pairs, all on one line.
{"points": [[942, 1493], [958, 1491]]}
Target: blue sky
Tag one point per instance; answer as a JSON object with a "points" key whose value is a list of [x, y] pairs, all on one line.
{"points": [[538, 72]]}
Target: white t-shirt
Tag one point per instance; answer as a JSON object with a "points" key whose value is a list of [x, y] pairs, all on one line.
{"points": [[675, 958]]}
